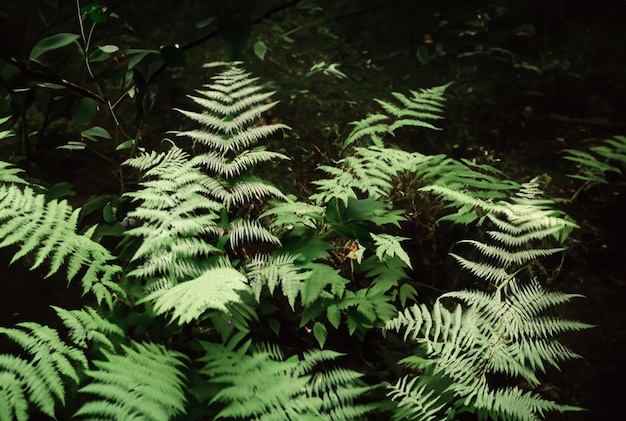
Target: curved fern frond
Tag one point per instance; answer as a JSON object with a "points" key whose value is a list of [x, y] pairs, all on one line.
{"points": [[214, 289], [371, 126], [223, 144], [42, 379], [9, 173], [276, 270], [248, 231], [87, 327], [262, 385], [368, 170], [143, 382], [49, 230], [289, 213], [229, 168], [175, 213], [415, 110], [416, 400], [258, 385]]}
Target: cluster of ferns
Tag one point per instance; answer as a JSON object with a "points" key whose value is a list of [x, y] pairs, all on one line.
{"points": [[211, 254]]}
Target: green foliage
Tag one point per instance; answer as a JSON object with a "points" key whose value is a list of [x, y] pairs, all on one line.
{"points": [[187, 301], [415, 111], [49, 230], [594, 165], [176, 331], [41, 378], [143, 381], [260, 384], [232, 104], [173, 217], [505, 330]]}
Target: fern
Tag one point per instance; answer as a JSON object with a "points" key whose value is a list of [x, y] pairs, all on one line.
{"points": [[505, 330], [174, 216], [89, 328], [415, 110], [232, 105], [49, 231], [279, 269], [594, 164], [143, 382], [388, 246], [43, 378], [370, 171], [261, 384], [187, 301]]}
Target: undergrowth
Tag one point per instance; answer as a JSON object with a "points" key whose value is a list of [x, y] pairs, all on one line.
{"points": [[195, 311]]}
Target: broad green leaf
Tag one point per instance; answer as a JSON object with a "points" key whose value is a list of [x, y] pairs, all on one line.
{"points": [[260, 49], [85, 111], [109, 49], [320, 333], [94, 133], [51, 43], [125, 145], [137, 55]]}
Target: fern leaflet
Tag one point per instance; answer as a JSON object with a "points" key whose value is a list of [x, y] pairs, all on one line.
{"points": [[43, 378], [187, 301], [143, 382]]}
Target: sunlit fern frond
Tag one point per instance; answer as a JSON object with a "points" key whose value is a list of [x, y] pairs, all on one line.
{"points": [[42, 377], [289, 213], [216, 289], [260, 384], [232, 167], [9, 173], [48, 231], [272, 271], [416, 400], [368, 170], [174, 216], [231, 105], [416, 110], [145, 381], [249, 231], [507, 332], [340, 389], [223, 144]]}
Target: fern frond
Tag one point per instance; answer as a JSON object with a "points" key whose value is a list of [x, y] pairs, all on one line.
{"points": [[44, 376], [175, 213], [88, 327], [339, 388], [9, 174], [145, 381], [276, 270], [389, 245], [247, 231], [247, 190], [372, 127], [229, 168], [228, 126], [49, 230], [415, 401], [369, 170], [215, 289], [289, 213], [416, 110], [259, 385], [233, 142]]}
